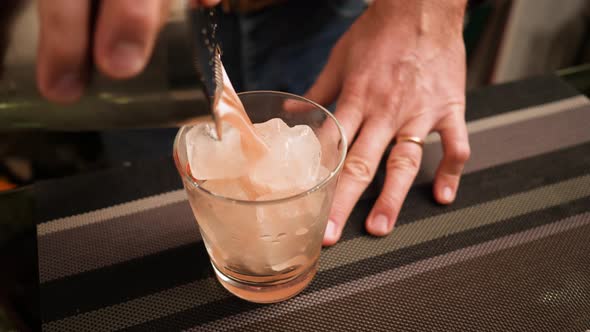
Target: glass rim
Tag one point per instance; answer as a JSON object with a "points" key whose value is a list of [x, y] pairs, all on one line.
{"points": [[298, 195]]}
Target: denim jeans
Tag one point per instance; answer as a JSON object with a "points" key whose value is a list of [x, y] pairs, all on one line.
{"points": [[284, 47]]}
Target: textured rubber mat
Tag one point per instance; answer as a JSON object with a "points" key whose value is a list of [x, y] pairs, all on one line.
{"points": [[120, 250]]}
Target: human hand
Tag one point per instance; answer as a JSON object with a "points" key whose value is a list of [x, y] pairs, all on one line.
{"points": [[399, 71], [120, 45]]}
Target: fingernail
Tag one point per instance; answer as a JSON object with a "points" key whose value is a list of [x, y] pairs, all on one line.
{"points": [[127, 57], [447, 194], [68, 85], [380, 225], [331, 230]]}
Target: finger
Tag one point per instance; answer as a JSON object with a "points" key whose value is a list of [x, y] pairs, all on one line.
{"points": [[402, 166], [210, 3], [350, 109], [206, 3], [328, 83], [126, 34], [358, 171], [456, 152], [63, 48]]}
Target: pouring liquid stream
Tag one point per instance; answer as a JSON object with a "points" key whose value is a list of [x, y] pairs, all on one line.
{"points": [[230, 109]]}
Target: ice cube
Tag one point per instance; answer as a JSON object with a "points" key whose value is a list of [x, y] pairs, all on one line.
{"points": [[298, 260], [298, 212], [285, 226], [210, 158], [228, 228], [322, 174], [293, 159], [227, 188], [271, 129]]}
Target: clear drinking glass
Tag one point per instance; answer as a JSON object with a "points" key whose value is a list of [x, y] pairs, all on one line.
{"points": [[268, 251]]}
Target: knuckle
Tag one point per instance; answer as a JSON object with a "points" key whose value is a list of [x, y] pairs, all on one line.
{"points": [[391, 116], [65, 52], [456, 106], [59, 54], [460, 153], [358, 169], [403, 163], [390, 201]]}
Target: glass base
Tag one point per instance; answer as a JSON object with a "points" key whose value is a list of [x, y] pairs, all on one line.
{"points": [[266, 293]]}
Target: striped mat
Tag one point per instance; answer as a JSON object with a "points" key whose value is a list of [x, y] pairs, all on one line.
{"points": [[119, 249]]}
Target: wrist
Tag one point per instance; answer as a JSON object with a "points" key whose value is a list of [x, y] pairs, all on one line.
{"points": [[439, 18]]}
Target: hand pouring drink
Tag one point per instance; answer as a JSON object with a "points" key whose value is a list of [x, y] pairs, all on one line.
{"points": [[261, 194]]}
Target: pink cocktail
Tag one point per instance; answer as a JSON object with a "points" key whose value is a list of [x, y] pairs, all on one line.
{"points": [[263, 220]]}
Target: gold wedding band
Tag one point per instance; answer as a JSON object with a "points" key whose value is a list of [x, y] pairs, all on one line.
{"points": [[412, 139]]}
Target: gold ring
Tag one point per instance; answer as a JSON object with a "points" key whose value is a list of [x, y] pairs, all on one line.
{"points": [[412, 139]]}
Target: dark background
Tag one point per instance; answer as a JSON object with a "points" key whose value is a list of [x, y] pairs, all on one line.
{"points": [[506, 40]]}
